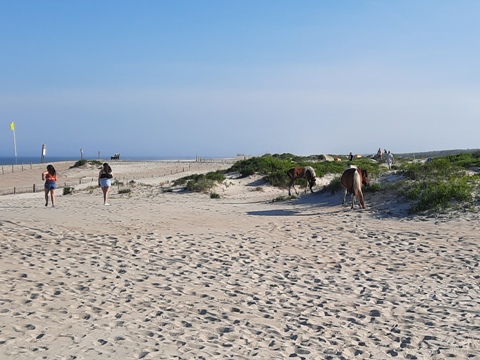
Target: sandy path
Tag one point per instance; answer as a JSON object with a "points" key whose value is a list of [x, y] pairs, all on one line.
{"points": [[162, 275]]}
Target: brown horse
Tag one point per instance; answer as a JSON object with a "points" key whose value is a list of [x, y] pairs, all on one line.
{"points": [[352, 180], [301, 172]]}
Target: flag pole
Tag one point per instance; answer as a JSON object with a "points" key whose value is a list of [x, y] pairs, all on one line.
{"points": [[12, 127]]}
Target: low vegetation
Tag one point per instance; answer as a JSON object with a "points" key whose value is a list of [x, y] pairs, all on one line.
{"points": [[439, 184], [283, 198], [274, 167], [67, 190], [83, 162], [442, 183], [201, 182]]}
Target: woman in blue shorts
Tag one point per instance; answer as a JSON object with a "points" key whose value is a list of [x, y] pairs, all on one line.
{"points": [[50, 177], [105, 181]]}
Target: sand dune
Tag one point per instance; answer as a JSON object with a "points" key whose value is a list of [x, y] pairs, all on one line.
{"points": [[163, 275]]}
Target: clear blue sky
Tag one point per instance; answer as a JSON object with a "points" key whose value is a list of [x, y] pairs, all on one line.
{"points": [[217, 78]]}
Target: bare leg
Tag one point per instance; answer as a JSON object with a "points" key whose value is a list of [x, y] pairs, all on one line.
{"points": [[46, 197], [52, 195], [105, 190]]}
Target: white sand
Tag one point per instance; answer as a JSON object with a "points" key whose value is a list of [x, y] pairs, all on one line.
{"points": [[163, 275]]}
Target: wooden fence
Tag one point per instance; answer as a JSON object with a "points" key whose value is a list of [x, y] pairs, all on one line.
{"points": [[40, 187], [6, 169], [60, 185]]}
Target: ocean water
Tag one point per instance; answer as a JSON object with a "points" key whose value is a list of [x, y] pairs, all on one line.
{"points": [[50, 159]]}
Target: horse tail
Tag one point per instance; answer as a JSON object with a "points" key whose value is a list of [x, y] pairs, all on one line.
{"points": [[356, 182], [357, 187]]}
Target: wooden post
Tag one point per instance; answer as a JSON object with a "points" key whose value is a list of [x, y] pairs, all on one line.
{"points": [[33, 188], [14, 190]]}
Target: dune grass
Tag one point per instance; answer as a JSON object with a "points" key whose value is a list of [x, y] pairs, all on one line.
{"points": [[430, 186]]}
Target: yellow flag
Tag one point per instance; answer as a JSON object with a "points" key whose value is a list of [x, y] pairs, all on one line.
{"points": [[12, 126]]}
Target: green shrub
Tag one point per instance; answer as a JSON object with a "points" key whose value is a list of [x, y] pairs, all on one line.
{"points": [[80, 163], [439, 168], [275, 167], [433, 185], [334, 186], [439, 195], [202, 184], [124, 191], [218, 176], [330, 167], [91, 188], [181, 181], [214, 195], [283, 198], [372, 188], [465, 160], [68, 190], [185, 179], [398, 185], [278, 178], [264, 165]]}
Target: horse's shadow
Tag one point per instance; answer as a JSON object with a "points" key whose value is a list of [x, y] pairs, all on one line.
{"points": [[279, 212], [258, 182], [323, 203], [303, 203], [319, 198]]}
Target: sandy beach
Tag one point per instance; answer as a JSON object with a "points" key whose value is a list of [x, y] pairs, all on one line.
{"points": [[178, 275]]}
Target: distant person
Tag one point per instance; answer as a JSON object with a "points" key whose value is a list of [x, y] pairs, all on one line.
{"points": [[50, 177], [380, 154], [104, 181], [350, 156], [389, 157]]}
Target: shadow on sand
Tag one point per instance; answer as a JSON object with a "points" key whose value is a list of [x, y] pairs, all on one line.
{"points": [[325, 203]]}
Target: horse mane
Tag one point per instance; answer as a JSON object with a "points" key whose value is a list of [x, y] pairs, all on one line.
{"points": [[311, 170]]}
